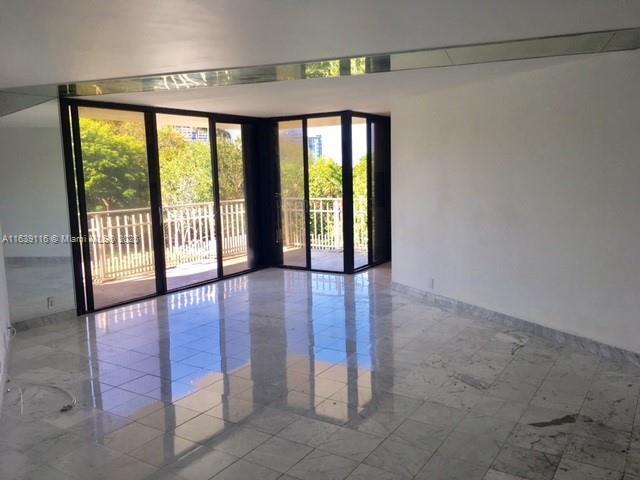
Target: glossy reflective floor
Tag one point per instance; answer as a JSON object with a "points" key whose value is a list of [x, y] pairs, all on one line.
{"points": [[138, 286], [323, 259], [298, 375]]}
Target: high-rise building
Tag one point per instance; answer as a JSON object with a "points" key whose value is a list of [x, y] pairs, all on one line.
{"points": [[193, 134], [315, 145]]}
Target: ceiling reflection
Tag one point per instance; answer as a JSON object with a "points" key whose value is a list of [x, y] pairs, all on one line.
{"points": [[518, 49], [579, 43]]}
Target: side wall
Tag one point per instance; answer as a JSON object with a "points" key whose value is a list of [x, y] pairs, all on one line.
{"points": [[4, 324], [33, 201], [522, 195], [32, 189]]}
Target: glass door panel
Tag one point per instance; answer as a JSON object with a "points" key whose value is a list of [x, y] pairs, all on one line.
{"points": [[380, 191], [188, 212], [116, 187], [324, 147], [292, 193], [233, 204], [360, 192]]}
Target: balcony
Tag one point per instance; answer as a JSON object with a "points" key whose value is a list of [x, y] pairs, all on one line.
{"points": [[121, 241]]}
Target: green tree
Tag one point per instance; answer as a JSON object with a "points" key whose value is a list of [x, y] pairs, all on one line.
{"points": [[360, 178], [291, 167], [185, 169], [325, 178], [115, 165], [116, 173], [328, 68], [230, 166], [358, 66]]}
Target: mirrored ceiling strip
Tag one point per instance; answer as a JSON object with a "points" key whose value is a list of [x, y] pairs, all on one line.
{"points": [[552, 46]]}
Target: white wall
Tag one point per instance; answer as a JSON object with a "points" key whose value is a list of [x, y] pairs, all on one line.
{"points": [[4, 323], [32, 188], [522, 195]]}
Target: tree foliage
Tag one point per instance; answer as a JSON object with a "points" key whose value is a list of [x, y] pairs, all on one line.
{"points": [[291, 168], [327, 68], [185, 169], [116, 171], [325, 178], [230, 166], [115, 166], [360, 178]]}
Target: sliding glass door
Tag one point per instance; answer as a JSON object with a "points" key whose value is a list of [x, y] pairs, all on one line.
{"points": [[333, 191], [233, 201], [188, 208], [161, 200], [324, 147], [292, 196], [115, 184], [360, 178]]}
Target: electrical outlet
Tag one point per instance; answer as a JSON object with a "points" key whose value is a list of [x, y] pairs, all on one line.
{"points": [[51, 302]]}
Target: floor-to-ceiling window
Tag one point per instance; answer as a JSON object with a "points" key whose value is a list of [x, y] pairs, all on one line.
{"points": [[333, 216], [324, 147], [166, 199], [380, 189], [360, 178], [233, 203], [161, 198], [292, 196], [188, 208], [118, 207]]}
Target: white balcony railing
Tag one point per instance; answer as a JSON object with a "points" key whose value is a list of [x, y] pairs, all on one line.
{"points": [[122, 243]]}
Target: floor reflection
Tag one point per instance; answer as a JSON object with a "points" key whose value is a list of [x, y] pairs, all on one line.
{"points": [[202, 362], [292, 374]]}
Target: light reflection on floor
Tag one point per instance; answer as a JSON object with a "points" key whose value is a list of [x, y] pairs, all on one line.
{"points": [[291, 374]]}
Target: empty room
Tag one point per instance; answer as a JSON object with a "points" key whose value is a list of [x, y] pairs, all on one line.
{"points": [[331, 240]]}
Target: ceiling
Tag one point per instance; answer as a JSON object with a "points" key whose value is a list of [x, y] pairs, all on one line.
{"points": [[45, 42], [60, 41]]}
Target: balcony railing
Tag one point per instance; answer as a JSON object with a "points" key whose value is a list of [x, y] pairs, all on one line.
{"points": [[122, 242]]}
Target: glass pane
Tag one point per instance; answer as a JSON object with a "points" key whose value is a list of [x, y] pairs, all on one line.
{"points": [[116, 182], [360, 192], [290, 147], [374, 192], [188, 214], [327, 68], [324, 142], [233, 205], [380, 192]]}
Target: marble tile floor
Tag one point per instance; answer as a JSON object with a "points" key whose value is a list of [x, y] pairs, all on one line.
{"points": [[294, 375], [329, 260]]}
